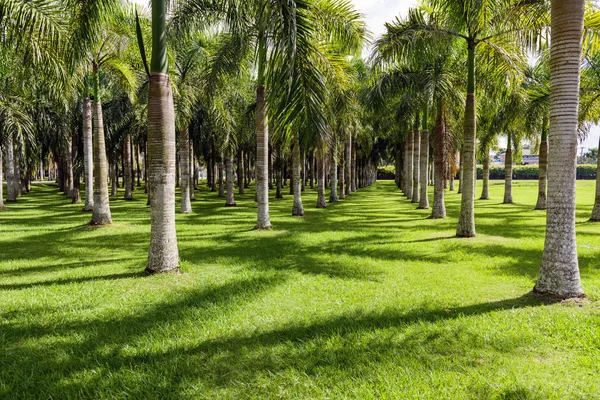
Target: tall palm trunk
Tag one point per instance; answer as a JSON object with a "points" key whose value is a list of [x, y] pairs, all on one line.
{"points": [[333, 196], [485, 190], [297, 208], [321, 179], [416, 166], [11, 193], [263, 220], [348, 164], [127, 169], [230, 202], [439, 155], [163, 254], [354, 175], [88, 159], [508, 163], [1, 184], [410, 141], [424, 198], [221, 172], [559, 273], [303, 170], [69, 168], [184, 148], [193, 171], [466, 220], [101, 213], [17, 167], [240, 171], [543, 175], [342, 180]]}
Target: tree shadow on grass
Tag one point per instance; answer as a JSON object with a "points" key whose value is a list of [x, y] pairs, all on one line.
{"points": [[342, 344], [18, 286]]}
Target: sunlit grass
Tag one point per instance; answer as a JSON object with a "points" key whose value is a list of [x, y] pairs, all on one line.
{"points": [[365, 299]]}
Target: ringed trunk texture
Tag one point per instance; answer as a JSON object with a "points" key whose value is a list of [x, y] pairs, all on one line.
{"points": [[230, 202], [559, 273], [101, 213], [424, 198], [88, 159], [163, 254], [127, 169], [263, 220], [348, 164], [410, 141], [543, 177], [415, 177], [186, 178], [297, 208], [508, 177], [485, 190], [333, 196], [321, 179], [466, 220], [439, 155], [11, 193]]}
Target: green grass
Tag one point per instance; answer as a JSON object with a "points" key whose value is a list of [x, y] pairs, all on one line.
{"points": [[365, 299]]}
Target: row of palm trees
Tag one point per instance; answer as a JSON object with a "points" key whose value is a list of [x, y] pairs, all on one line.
{"points": [[419, 63]]}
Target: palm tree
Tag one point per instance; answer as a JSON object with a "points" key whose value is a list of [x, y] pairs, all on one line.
{"points": [[163, 254], [559, 273]]}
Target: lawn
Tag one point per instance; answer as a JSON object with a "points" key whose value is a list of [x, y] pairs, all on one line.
{"points": [[365, 299]]}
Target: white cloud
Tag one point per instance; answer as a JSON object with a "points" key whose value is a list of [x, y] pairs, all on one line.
{"points": [[377, 12]]}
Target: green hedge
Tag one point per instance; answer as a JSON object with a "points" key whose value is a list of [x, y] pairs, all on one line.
{"points": [[584, 171]]}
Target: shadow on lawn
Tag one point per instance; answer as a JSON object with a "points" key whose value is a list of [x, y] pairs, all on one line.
{"points": [[127, 345]]}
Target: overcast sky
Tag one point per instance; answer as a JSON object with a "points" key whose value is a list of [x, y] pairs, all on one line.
{"points": [[377, 12]]}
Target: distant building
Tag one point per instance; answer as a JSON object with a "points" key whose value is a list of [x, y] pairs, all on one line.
{"points": [[526, 159]]}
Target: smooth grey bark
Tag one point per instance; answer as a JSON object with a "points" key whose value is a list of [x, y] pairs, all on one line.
{"points": [[193, 170], [508, 164], [424, 159], [559, 274], [11, 194], [163, 253], [101, 214], [1, 184], [333, 196], [410, 141], [342, 181], [438, 210], [416, 149], [303, 170], [127, 169], [221, 172], [321, 179], [348, 164], [69, 167], [184, 148], [543, 178], [485, 190], [76, 186], [17, 167], [240, 171], [263, 220], [466, 219], [88, 158], [230, 202], [353, 177], [297, 208]]}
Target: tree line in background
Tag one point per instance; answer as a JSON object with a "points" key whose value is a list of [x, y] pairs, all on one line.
{"points": [[272, 90]]}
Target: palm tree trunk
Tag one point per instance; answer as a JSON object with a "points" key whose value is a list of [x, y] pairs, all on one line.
{"points": [[424, 198], [17, 166], [230, 202], [440, 160], [297, 208], [485, 190], [321, 179], [342, 175], [127, 168], [1, 184], [508, 175], [101, 213], [263, 220], [348, 164], [114, 177], [303, 170], [410, 141], [543, 175], [240, 171], [415, 177], [353, 183], [69, 168], [184, 148], [559, 273], [333, 196], [221, 171], [163, 255], [193, 170], [76, 186], [88, 159], [278, 178], [11, 193]]}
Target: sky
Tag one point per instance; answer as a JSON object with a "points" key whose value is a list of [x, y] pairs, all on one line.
{"points": [[377, 12]]}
